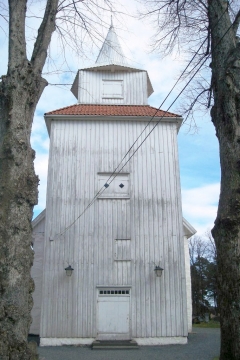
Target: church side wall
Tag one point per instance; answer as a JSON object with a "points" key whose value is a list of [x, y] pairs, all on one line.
{"points": [[91, 87], [37, 275], [188, 283], [150, 221]]}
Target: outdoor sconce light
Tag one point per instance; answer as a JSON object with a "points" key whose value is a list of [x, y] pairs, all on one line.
{"points": [[158, 270], [69, 270]]}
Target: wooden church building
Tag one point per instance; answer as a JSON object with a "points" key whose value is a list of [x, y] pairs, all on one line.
{"points": [[114, 233]]}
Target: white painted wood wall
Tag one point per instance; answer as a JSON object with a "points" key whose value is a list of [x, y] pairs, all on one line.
{"points": [[151, 218], [88, 87], [188, 283], [37, 271]]}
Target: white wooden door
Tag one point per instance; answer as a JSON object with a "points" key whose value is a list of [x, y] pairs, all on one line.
{"points": [[113, 314]]}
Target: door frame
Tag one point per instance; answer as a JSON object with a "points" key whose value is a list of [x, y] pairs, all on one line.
{"points": [[109, 336]]}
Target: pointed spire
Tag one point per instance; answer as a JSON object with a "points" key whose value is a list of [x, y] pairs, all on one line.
{"points": [[111, 17], [111, 51]]}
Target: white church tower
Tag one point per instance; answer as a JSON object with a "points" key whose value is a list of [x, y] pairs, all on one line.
{"points": [[114, 231]]}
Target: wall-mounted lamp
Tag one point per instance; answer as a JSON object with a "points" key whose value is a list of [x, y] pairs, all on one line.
{"points": [[69, 270], [158, 270]]}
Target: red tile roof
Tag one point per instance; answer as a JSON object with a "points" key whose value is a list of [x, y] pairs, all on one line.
{"points": [[112, 110]]}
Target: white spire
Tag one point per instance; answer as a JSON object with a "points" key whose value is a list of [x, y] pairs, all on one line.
{"points": [[111, 51]]}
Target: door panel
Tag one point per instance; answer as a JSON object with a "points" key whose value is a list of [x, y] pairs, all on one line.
{"points": [[113, 317]]}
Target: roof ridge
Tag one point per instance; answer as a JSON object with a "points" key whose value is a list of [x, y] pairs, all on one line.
{"points": [[114, 105]]}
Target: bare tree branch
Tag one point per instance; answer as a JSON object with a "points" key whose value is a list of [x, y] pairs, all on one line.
{"points": [[236, 22], [45, 31], [17, 41], [194, 102]]}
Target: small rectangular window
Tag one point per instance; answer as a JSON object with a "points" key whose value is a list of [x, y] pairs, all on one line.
{"points": [[112, 89], [113, 187], [114, 292]]}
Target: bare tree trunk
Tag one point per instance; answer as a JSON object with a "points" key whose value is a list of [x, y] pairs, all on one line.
{"points": [[182, 22], [19, 94], [226, 118], [20, 91]]}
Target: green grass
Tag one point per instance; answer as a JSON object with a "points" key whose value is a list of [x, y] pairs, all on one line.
{"points": [[216, 358], [210, 324]]}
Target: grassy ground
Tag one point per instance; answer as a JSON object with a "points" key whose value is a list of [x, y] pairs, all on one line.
{"points": [[210, 324]]}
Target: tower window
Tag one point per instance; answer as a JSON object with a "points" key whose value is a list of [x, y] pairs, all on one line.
{"points": [[113, 89], [115, 187]]}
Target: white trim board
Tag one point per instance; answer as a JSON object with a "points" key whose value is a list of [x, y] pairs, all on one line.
{"points": [[168, 340], [151, 341], [65, 341]]}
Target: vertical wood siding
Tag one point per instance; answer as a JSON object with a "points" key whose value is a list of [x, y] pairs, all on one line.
{"points": [[40, 226], [37, 276], [151, 219], [91, 87]]}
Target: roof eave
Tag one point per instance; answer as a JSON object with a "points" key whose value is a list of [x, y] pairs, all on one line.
{"points": [[112, 66], [190, 231], [74, 87], [39, 218], [150, 89], [140, 118]]}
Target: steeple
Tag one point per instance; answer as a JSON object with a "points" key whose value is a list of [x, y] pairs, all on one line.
{"points": [[112, 80], [111, 51]]}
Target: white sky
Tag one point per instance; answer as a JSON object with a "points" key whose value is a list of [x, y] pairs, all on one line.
{"points": [[199, 162]]}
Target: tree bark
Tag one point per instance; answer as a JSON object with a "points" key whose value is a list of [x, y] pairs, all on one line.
{"points": [[20, 91], [19, 94], [181, 23], [226, 119]]}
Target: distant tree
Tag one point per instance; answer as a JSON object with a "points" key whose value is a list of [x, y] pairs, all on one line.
{"points": [[203, 274], [212, 294], [213, 271], [199, 286], [208, 31]]}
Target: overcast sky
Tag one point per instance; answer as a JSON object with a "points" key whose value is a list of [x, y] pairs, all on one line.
{"points": [[198, 150]]}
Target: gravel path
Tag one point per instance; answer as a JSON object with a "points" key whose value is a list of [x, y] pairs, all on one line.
{"points": [[203, 344]]}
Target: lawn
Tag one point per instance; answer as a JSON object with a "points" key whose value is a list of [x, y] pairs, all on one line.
{"points": [[210, 324]]}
